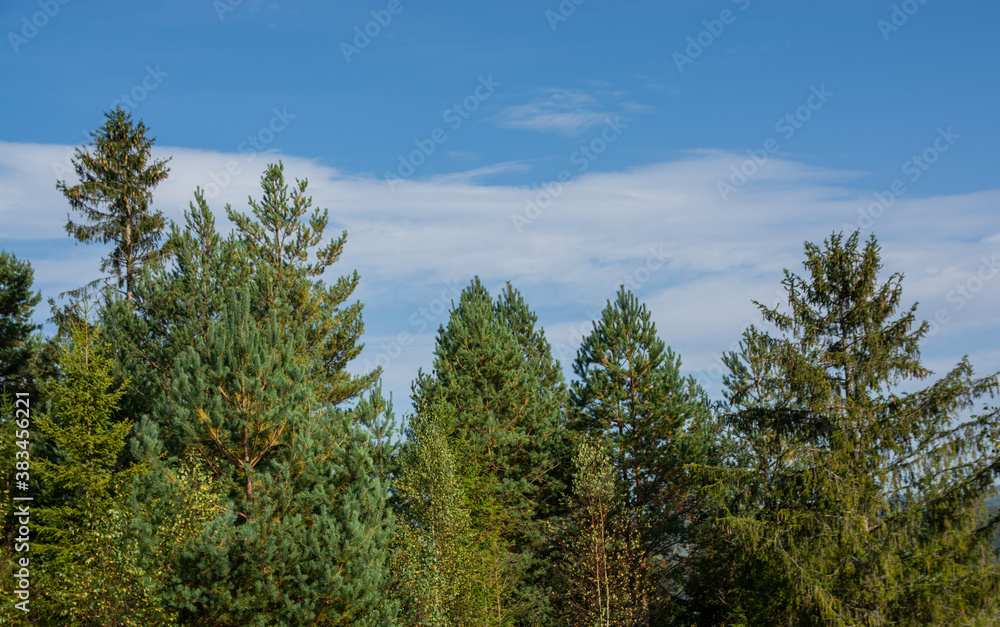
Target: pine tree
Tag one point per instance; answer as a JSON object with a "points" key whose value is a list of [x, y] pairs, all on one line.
{"points": [[630, 393], [114, 196], [173, 307], [278, 245], [502, 395], [304, 536], [866, 501]]}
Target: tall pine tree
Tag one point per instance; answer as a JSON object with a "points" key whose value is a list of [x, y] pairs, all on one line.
{"points": [[630, 392], [303, 538]]}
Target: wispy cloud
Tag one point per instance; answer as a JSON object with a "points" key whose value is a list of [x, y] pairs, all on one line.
{"points": [[562, 111], [697, 261]]}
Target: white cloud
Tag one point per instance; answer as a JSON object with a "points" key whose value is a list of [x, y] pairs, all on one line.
{"points": [[562, 111], [415, 247]]}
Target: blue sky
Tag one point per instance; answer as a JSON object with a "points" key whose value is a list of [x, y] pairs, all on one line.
{"points": [[687, 149]]}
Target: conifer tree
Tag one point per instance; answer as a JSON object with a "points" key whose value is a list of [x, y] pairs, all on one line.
{"points": [[502, 396], [867, 501], [89, 569], [630, 392], [17, 301], [172, 309], [278, 246], [304, 536], [114, 193]]}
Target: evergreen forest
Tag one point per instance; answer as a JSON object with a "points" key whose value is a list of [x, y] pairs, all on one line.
{"points": [[196, 450]]}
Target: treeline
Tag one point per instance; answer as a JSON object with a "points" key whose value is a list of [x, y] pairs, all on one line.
{"points": [[199, 454]]}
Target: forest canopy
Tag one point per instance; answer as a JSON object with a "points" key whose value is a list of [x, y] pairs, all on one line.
{"points": [[196, 452]]}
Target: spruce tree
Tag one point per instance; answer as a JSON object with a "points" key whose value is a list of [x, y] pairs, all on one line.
{"points": [[114, 193], [630, 392], [866, 501], [88, 563]]}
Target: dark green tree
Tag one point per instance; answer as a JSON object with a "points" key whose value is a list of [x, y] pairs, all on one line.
{"points": [[114, 192], [172, 310], [866, 502], [303, 538], [17, 301], [501, 397], [631, 394]]}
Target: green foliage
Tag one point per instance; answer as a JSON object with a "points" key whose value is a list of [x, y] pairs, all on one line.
{"points": [[88, 566], [238, 393], [451, 560], [86, 442], [303, 533], [502, 397], [278, 245], [172, 310], [867, 501], [631, 393], [113, 195], [603, 579], [16, 304]]}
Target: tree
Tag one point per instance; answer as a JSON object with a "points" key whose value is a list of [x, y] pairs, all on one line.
{"points": [[173, 307], [87, 566], [278, 245], [630, 393], [451, 559], [114, 196], [16, 304], [603, 580], [303, 537], [501, 397], [866, 501]]}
